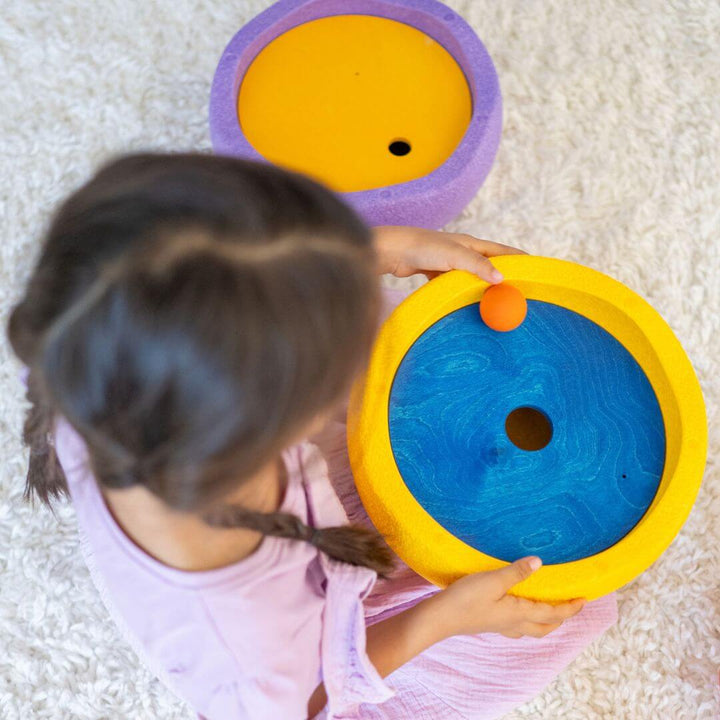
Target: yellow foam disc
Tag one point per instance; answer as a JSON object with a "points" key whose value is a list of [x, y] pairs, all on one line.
{"points": [[329, 97], [435, 553]]}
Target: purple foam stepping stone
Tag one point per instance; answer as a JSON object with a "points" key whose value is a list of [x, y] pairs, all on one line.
{"points": [[429, 201]]}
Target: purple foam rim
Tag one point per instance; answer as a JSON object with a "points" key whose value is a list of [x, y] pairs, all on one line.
{"points": [[430, 201]]}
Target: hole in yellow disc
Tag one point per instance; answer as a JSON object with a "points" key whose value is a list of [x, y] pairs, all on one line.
{"points": [[399, 147]]}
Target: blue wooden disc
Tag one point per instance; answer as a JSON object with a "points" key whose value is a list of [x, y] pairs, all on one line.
{"points": [[578, 495]]}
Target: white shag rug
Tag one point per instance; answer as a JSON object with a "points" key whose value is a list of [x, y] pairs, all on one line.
{"points": [[610, 156]]}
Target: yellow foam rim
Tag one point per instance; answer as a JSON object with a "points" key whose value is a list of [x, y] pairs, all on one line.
{"points": [[434, 552]]}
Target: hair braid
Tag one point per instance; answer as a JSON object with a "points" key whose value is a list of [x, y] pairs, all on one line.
{"points": [[348, 543], [37, 435]]}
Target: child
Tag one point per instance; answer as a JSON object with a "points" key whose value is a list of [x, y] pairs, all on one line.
{"points": [[192, 322]]}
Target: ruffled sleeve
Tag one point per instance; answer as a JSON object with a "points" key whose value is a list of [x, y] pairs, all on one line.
{"points": [[350, 677]]}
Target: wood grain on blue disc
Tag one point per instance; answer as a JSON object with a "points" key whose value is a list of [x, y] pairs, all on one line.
{"points": [[575, 497]]}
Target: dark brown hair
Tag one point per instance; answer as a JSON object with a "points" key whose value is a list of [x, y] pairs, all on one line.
{"points": [[188, 315]]}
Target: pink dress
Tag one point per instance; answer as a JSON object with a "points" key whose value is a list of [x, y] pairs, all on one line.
{"points": [[252, 640]]}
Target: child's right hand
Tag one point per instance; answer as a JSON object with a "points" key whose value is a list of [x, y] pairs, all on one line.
{"points": [[479, 603]]}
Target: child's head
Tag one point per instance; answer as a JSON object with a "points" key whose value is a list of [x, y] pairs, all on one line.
{"points": [[190, 315]]}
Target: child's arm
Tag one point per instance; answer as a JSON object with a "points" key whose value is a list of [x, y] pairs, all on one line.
{"points": [[404, 251], [474, 604]]}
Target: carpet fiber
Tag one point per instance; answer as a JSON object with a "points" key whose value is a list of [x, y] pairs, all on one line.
{"points": [[610, 157]]}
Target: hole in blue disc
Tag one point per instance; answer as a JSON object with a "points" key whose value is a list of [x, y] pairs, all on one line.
{"points": [[528, 428]]}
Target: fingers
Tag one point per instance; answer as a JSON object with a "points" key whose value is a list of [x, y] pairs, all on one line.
{"points": [[534, 629], [535, 619], [430, 274], [471, 254], [405, 251], [516, 572], [462, 257], [487, 247], [551, 614], [538, 630], [544, 613]]}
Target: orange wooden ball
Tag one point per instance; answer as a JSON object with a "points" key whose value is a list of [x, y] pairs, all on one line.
{"points": [[503, 307]]}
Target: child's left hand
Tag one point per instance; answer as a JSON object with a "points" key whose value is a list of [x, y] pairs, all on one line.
{"points": [[404, 251]]}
